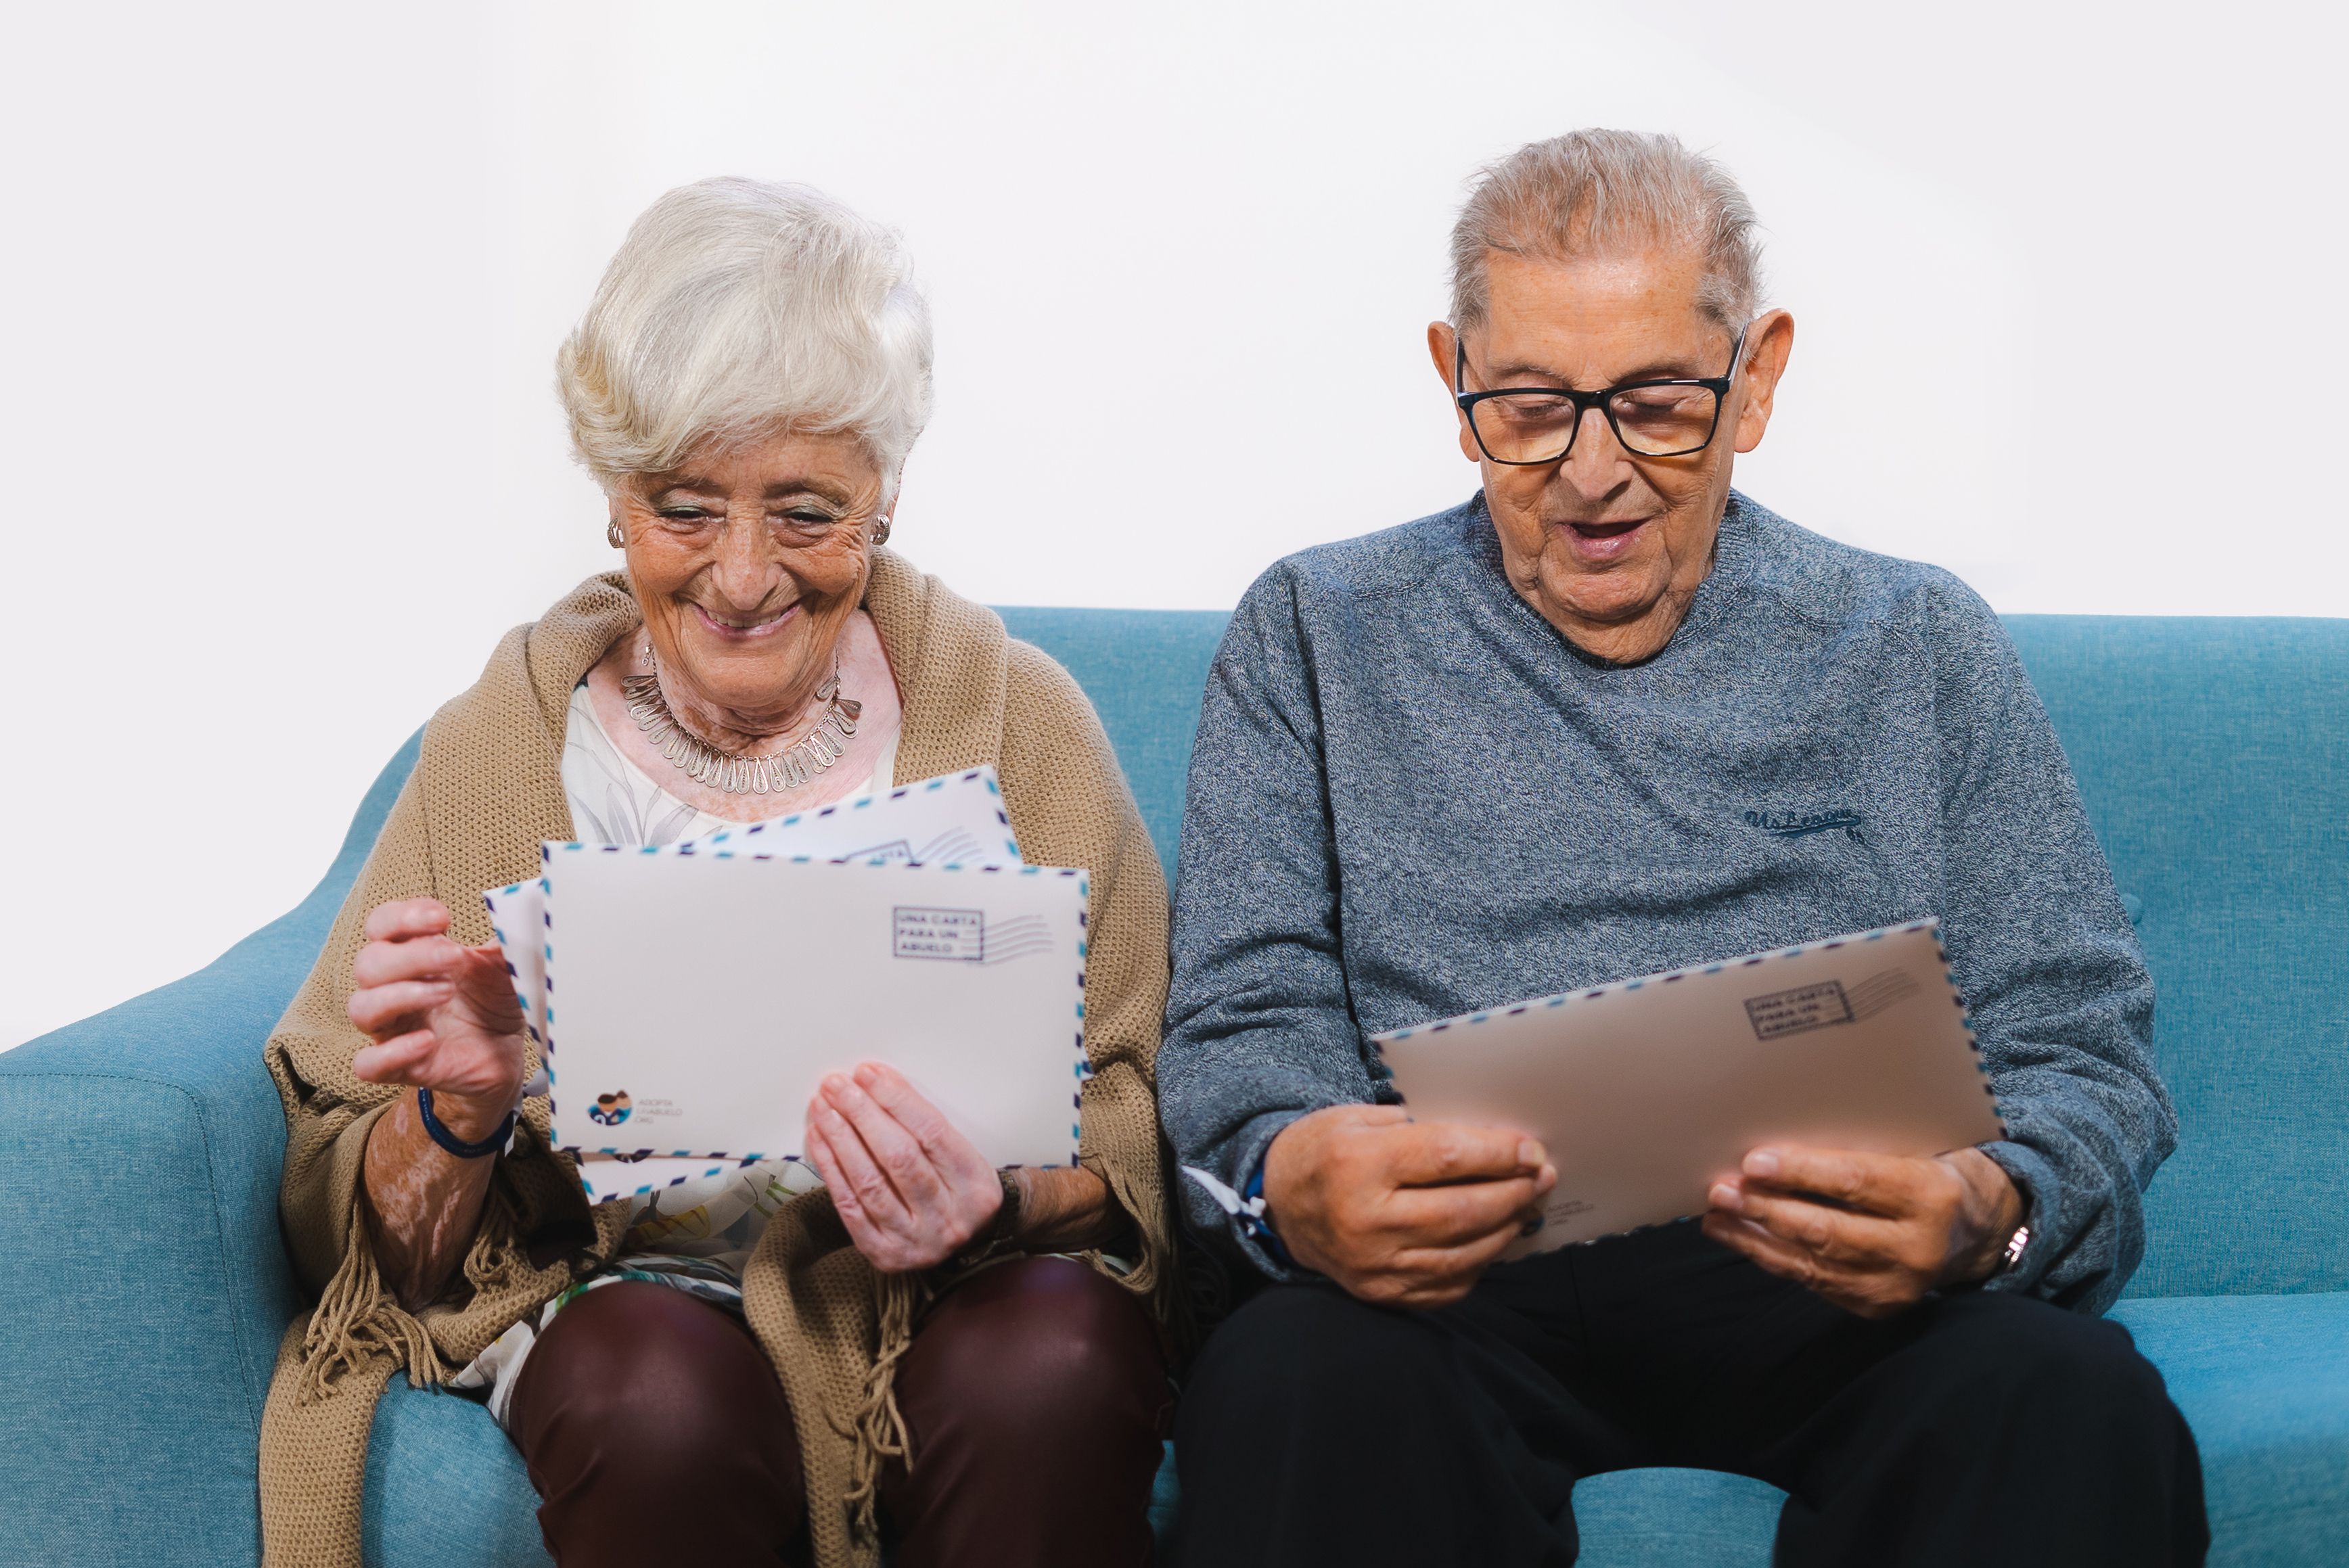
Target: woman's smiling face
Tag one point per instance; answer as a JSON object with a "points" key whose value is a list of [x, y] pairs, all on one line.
{"points": [[747, 562]]}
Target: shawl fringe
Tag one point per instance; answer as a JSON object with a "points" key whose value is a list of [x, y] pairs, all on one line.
{"points": [[357, 1321], [878, 1428], [1152, 1277]]}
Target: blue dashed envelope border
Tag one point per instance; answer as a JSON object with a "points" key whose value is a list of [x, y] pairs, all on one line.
{"points": [[1930, 923], [714, 850]]}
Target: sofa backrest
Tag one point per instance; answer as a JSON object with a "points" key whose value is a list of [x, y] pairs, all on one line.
{"points": [[2213, 756], [1145, 671]]}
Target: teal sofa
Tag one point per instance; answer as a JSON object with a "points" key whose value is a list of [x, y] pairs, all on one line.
{"points": [[143, 1286]]}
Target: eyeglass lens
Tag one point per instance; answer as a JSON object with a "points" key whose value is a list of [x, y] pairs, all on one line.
{"points": [[1653, 421]]}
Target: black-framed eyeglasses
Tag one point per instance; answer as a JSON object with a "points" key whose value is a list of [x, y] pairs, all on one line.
{"points": [[1528, 425]]}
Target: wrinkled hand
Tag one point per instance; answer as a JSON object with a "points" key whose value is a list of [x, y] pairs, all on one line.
{"points": [[442, 1017], [1399, 1212], [912, 1191], [1872, 1233]]}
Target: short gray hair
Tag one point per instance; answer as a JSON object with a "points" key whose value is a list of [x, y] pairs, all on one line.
{"points": [[1600, 193], [735, 307]]}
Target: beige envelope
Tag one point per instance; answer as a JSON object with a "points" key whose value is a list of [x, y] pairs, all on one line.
{"points": [[1647, 1092]]}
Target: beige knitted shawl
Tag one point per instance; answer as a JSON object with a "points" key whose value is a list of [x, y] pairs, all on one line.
{"points": [[487, 789]]}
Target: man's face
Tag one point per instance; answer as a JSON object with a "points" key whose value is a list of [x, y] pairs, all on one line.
{"points": [[1608, 546]]}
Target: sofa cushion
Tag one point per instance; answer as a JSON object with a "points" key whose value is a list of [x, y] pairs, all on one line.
{"points": [[1675, 1519], [444, 1488], [2264, 1383]]}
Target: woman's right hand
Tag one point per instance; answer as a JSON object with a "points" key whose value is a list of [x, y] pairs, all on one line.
{"points": [[442, 1017]]}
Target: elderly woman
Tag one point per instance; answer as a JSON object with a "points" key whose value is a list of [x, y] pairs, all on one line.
{"points": [[783, 1365]]}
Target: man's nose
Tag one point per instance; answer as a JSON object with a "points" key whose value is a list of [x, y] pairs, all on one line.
{"points": [[1595, 464]]}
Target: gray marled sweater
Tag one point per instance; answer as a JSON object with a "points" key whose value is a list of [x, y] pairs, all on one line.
{"points": [[1410, 797]]}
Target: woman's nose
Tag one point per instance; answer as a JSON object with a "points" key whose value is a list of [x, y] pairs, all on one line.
{"points": [[746, 567]]}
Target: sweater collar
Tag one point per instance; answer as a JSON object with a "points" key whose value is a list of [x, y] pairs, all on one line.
{"points": [[1722, 590]]}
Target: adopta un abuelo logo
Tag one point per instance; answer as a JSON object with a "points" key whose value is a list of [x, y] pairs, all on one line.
{"points": [[1803, 824], [611, 1110]]}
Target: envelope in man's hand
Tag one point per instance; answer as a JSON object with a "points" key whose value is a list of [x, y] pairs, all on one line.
{"points": [[1647, 1092]]}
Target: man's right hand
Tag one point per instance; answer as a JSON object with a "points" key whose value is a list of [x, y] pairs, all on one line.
{"points": [[1399, 1212], [442, 1016]]}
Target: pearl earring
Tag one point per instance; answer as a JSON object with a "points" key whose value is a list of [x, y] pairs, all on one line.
{"points": [[612, 533]]}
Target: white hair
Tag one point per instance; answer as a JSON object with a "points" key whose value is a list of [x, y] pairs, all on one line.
{"points": [[1601, 192], [737, 307]]}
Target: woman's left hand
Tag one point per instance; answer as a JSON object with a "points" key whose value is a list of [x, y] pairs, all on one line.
{"points": [[912, 1191]]}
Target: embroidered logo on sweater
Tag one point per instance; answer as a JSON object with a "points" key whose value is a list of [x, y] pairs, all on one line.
{"points": [[1803, 824]]}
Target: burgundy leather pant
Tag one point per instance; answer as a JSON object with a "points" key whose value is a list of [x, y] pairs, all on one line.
{"points": [[1035, 1394]]}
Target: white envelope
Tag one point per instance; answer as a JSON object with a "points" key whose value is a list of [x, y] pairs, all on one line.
{"points": [[1647, 1092], [697, 997], [957, 818], [606, 1180], [518, 921]]}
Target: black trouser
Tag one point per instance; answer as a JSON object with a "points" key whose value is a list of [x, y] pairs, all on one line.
{"points": [[1975, 1428]]}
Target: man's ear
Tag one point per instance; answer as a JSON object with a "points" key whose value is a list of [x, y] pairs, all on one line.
{"points": [[1442, 342], [1772, 341]]}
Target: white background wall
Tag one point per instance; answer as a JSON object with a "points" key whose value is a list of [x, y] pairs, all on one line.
{"points": [[281, 284]]}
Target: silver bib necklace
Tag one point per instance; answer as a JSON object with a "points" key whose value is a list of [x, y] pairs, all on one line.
{"points": [[703, 763]]}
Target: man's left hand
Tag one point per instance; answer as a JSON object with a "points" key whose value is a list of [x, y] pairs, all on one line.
{"points": [[1872, 1232]]}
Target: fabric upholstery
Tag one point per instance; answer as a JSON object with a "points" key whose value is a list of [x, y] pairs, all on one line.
{"points": [[1144, 670], [2213, 756], [414, 1518], [2264, 1382], [145, 1143], [1675, 1519]]}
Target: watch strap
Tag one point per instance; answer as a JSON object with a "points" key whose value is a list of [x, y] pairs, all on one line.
{"points": [[1000, 1234], [2015, 1244]]}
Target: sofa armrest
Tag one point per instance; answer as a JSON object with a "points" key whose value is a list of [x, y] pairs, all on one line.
{"points": [[141, 1277]]}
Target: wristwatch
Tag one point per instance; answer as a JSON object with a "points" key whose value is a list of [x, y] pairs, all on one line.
{"points": [[998, 1236], [2014, 1246]]}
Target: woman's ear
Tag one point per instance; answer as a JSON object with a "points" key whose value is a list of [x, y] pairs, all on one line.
{"points": [[884, 518], [1443, 349]]}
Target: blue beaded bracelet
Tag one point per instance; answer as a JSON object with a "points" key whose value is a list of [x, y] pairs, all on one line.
{"points": [[454, 1144]]}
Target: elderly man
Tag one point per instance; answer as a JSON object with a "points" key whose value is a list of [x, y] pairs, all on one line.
{"points": [[1566, 733]]}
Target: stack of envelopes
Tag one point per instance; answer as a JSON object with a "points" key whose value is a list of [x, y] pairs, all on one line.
{"points": [[688, 998]]}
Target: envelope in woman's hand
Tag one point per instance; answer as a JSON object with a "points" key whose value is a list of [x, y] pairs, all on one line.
{"points": [[955, 818], [695, 1000]]}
